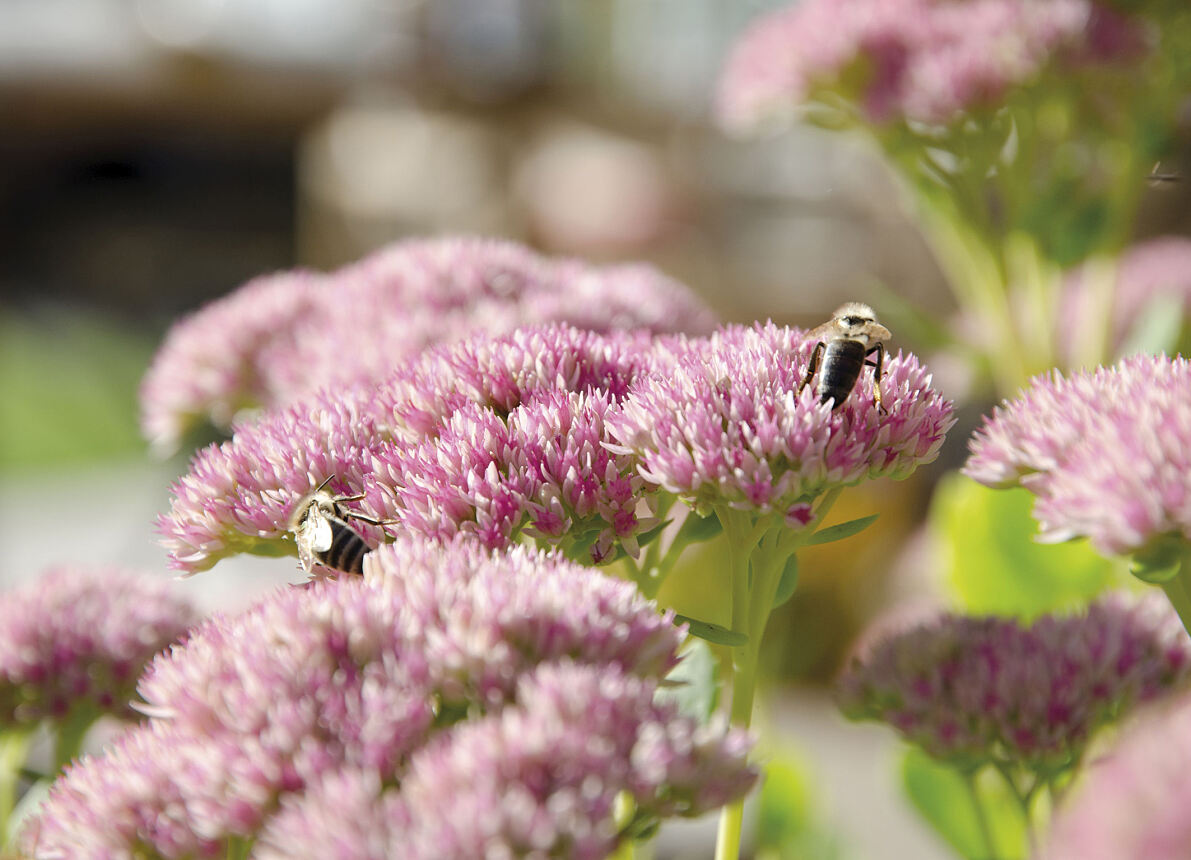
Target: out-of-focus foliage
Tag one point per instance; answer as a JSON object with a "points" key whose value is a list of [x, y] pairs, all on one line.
{"points": [[68, 386], [993, 565]]}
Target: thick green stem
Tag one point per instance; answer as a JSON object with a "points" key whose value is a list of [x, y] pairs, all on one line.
{"points": [[14, 745], [986, 836]]}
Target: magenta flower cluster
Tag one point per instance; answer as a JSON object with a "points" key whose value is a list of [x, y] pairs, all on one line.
{"points": [[519, 682], [976, 690], [286, 336], [923, 61], [74, 641], [1106, 452], [560, 435], [722, 421]]}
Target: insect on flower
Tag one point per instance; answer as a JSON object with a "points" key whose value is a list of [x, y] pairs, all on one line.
{"points": [[844, 344], [320, 528]]}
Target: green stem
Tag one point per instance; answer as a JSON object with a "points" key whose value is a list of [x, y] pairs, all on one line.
{"points": [[14, 745], [986, 835], [68, 736]]}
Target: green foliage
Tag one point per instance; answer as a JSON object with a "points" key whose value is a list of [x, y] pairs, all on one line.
{"points": [[787, 828], [788, 583], [993, 564], [68, 384], [842, 530], [712, 632], [945, 798], [694, 684]]}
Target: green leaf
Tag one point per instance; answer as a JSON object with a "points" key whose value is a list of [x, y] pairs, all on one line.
{"points": [[788, 583], [693, 685], [941, 795], [696, 529], [992, 562], [712, 632], [787, 828], [842, 530], [1160, 561], [648, 537]]}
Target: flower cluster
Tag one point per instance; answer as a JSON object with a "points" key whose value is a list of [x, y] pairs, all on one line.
{"points": [[922, 61], [1106, 452], [76, 639], [561, 435], [724, 422], [438, 652], [283, 337], [486, 437], [539, 778], [1133, 801], [975, 690]]}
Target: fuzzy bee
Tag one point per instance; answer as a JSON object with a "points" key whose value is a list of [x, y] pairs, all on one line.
{"points": [[320, 529], [844, 344]]}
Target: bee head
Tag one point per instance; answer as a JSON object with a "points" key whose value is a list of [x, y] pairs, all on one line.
{"points": [[857, 321]]}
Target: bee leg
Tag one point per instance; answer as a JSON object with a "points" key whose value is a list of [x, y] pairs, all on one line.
{"points": [[364, 518], [353, 498], [816, 356], [879, 349]]}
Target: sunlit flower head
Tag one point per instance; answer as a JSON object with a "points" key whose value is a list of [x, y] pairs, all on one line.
{"points": [[1132, 802], [975, 690], [1107, 452], [916, 60], [726, 424], [239, 495], [284, 337], [75, 639], [487, 618], [490, 436], [539, 778], [368, 675]]}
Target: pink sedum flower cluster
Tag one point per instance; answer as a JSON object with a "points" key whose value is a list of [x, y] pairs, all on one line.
{"points": [[369, 676], [1133, 801], [76, 639], [538, 779], [977, 690], [723, 422], [1106, 452], [486, 437], [923, 61], [283, 337], [560, 435]]}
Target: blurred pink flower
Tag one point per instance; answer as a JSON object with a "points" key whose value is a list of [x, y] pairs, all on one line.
{"points": [[1106, 452], [1133, 801], [978, 690], [914, 60], [75, 640], [281, 338]]}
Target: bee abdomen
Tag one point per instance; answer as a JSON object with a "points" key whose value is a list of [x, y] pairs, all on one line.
{"points": [[347, 550], [842, 362]]}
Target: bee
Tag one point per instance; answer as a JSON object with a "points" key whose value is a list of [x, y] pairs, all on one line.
{"points": [[844, 345], [319, 525]]}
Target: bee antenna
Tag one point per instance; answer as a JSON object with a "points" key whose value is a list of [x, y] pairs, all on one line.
{"points": [[320, 487]]}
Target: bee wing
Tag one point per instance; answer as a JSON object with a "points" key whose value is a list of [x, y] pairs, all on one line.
{"points": [[313, 535], [823, 331]]}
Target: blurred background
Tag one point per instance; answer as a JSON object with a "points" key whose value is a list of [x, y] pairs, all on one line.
{"points": [[159, 153]]}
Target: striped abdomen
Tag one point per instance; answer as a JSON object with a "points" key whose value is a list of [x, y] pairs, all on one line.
{"points": [[843, 360], [347, 549]]}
